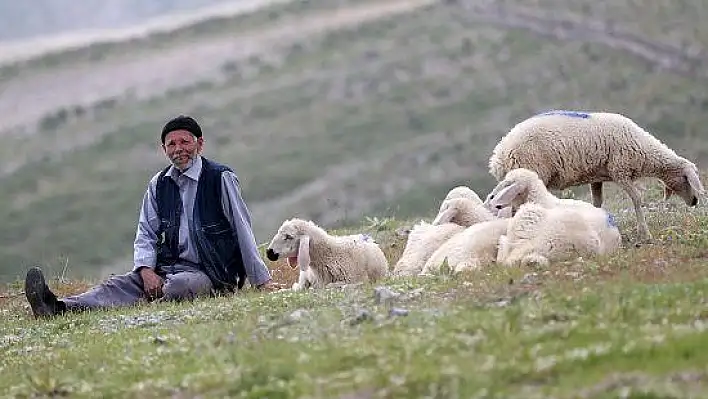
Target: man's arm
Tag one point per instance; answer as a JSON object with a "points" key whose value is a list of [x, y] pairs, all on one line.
{"points": [[144, 247], [240, 218]]}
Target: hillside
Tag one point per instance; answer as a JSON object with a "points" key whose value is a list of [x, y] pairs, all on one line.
{"points": [[327, 110]]}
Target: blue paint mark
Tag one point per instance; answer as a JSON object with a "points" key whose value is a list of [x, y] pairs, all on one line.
{"points": [[611, 220], [366, 237], [572, 114]]}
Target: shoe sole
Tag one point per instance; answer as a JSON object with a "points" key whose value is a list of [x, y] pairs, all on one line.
{"points": [[35, 291]]}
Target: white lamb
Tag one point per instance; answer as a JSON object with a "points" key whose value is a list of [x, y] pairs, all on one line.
{"points": [[325, 258], [520, 186], [570, 148], [539, 235], [463, 211], [469, 249], [460, 208], [423, 240]]}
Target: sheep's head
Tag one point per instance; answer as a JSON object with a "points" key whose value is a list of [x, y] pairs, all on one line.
{"points": [[291, 241], [512, 191], [462, 192], [462, 211], [684, 182]]}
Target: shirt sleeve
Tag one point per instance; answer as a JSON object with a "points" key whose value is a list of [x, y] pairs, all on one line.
{"points": [[239, 216], [144, 247]]}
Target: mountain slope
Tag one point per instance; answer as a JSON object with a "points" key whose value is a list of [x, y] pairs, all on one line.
{"points": [[329, 111]]}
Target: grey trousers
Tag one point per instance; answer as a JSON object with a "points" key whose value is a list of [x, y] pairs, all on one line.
{"points": [[180, 282]]}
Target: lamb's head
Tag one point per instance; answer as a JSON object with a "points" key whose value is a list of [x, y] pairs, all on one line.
{"points": [[292, 240], [513, 190], [462, 192], [462, 211], [683, 180]]}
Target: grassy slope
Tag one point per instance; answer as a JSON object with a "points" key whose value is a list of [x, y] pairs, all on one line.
{"points": [[628, 324], [376, 120]]}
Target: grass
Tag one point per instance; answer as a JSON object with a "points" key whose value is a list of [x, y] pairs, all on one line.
{"points": [[376, 119], [631, 324]]}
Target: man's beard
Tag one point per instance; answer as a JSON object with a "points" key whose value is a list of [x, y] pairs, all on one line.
{"points": [[188, 164]]}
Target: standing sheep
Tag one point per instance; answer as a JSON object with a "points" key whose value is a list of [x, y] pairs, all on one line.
{"points": [[570, 148], [537, 234], [325, 258]]}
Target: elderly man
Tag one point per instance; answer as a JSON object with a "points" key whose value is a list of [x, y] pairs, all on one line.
{"points": [[193, 237]]}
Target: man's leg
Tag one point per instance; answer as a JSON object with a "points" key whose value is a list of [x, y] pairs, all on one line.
{"points": [[121, 290], [187, 283]]}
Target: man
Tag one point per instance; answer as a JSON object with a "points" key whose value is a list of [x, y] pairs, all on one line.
{"points": [[193, 237]]}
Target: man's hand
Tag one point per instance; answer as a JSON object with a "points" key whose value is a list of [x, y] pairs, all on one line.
{"points": [[268, 286], [152, 283]]}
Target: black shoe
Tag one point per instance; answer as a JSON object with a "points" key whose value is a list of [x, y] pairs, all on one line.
{"points": [[42, 300]]}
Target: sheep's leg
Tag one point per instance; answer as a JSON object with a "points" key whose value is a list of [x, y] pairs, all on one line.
{"points": [[635, 196], [596, 189]]}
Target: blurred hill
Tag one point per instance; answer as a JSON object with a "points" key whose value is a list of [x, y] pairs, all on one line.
{"points": [[331, 110]]}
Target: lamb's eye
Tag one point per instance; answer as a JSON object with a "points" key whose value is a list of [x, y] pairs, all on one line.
{"points": [[288, 237]]}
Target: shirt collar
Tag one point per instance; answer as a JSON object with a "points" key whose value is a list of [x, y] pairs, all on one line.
{"points": [[192, 172]]}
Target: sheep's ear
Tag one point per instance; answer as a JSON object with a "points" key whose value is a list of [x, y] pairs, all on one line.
{"points": [[506, 196], [444, 216], [303, 253], [693, 180], [505, 213]]}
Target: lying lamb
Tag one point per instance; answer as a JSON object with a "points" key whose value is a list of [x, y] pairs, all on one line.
{"points": [[325, 258], [469, 249], [539, 235]]}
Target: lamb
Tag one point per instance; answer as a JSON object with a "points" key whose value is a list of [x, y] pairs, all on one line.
{"points": [[461, 207], [570, 148], [539, 235], [323, 258], [423, 240], [462, 211], [469, 249], [522, 185]]}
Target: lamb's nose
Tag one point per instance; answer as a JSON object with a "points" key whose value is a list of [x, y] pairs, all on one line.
{"points": [[271, 255]]}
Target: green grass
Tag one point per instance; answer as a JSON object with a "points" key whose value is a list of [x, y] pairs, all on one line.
{"points": [[632, 323], [380, 118]]}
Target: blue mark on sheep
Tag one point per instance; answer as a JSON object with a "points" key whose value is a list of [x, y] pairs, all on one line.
{"points": [[611, 220], [572, 114], [366, 237]]}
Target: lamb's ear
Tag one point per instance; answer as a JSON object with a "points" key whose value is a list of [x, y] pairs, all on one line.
{"points": [[444, 216], [505, 213], [693, 180], [303, 253], [506, 196]]}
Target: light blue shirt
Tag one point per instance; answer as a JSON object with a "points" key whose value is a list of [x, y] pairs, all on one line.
{"points": [[145, 253]]}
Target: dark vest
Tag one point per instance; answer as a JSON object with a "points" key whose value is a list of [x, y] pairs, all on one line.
{"points": [[215, 241]]}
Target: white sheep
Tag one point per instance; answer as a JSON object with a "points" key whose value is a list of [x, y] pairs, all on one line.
{"points": [[463, 211], [462, 192], [570, 148], [520, 186], [423, 239], [325, 258], [469, 249], [539, 235]]}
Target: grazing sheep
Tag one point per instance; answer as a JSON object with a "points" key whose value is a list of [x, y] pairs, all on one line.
{"points": [[570, 148], [469, 249], [537, 234], [521, 186], [423, 240], [325, 258]]}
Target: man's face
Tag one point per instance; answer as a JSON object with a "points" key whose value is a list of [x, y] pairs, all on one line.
{"points": [[182, 147]]}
